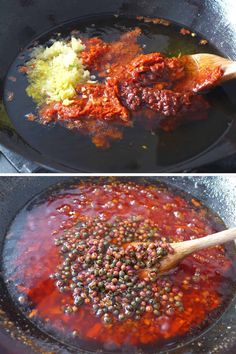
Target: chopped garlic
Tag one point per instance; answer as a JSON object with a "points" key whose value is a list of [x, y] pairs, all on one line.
{"points": [[55, 71]]}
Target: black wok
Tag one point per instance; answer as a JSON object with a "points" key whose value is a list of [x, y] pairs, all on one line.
{"points": [[60, 150], [219, 193]]}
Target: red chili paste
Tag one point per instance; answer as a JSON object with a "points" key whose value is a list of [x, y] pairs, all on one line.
{"points": [[108, 59], [201, 278]]}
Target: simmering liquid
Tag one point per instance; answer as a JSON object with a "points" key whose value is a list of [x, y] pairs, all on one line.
{"points": [[187, 300]]}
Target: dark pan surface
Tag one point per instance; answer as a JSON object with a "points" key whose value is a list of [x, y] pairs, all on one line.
{"points": [[216, 192], [190, 146]]}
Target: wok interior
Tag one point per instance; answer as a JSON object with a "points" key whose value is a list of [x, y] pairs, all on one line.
{"points": [[197, 15], [218, 193]]}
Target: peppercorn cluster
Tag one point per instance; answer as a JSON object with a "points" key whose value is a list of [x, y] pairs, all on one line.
{"points": [[103, 269]]}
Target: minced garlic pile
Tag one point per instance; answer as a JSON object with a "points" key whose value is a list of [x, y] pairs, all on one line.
{"points": [[54, 72]]}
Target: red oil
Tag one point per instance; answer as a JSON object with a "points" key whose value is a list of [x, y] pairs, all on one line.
{"points": [[30, 256]]}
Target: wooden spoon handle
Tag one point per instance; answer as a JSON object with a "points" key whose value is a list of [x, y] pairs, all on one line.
{"points": [[187, 247], [229, 71]]}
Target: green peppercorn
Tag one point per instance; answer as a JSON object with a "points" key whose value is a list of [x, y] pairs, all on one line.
{"points": [[156, 312], [99, 312], [121, 317], [107, 319]]}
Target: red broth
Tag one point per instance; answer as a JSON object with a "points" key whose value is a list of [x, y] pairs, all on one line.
{"points": [[31, 256]]}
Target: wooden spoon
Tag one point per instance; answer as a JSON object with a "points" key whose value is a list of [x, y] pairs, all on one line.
{"points": [[185, 248], [204, 71]]}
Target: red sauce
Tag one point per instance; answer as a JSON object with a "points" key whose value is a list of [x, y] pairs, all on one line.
{"points": [[93, 101], [201, 277], [108, 59], [133, 83], [150, 81]]}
